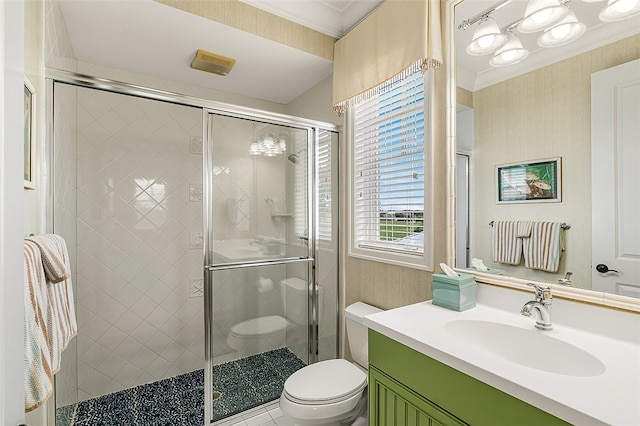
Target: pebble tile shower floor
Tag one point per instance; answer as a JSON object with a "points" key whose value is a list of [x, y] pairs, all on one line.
{"points": [[179, 401]]}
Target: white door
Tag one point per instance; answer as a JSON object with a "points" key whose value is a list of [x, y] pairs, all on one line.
{"points": [[615, 177], [462, 210]]}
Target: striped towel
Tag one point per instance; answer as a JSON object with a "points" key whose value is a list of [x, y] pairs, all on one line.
{"points": [[507, 247], [524, 228], [61, 322], [542, 250], [38, 374]]}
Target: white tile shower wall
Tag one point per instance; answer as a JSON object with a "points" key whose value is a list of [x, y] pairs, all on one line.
{"points": [[58, 49], [137, 321], [65, 220]]}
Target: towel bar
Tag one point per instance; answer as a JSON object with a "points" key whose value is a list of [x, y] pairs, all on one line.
{"points": [[562, 225]]}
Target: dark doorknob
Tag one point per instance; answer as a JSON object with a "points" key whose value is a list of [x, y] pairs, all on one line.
{"points": [[602, 268]]}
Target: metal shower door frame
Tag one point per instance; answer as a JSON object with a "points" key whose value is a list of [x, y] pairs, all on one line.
{"points": [[312, 129]]}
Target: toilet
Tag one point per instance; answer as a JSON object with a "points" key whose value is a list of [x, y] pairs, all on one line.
{"points": [[332, 392], [265, 333]]}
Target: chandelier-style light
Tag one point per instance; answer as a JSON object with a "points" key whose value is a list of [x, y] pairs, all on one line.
{"points": [[268, 145], [541, 14], [511, 53], [617, 10], [565, 31], [486, 39]]}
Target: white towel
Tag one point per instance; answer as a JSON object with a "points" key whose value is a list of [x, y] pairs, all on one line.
{"points": [[38, 374], [542, 250], [61, 322], [507, 247]]}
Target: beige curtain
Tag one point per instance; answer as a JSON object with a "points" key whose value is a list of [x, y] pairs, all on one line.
{"points": [[397, 39]]}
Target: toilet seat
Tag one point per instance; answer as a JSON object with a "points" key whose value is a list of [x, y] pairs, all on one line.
{"points": [[259, 326], [324, 383]]}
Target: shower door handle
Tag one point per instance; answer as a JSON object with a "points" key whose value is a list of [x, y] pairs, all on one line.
{"points": [[241, 265]]}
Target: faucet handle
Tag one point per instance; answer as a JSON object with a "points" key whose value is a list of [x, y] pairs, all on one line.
{"points": [[543, 293]]}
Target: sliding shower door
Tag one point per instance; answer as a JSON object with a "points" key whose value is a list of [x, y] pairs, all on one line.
{"points": [[126, 176], [262, 297]]}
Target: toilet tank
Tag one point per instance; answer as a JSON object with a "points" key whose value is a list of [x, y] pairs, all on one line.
{"points": [[295, 300], [357, 331]]}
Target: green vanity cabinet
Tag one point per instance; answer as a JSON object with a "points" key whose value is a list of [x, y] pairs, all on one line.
{"points": [[391, 403], [409, 388]]}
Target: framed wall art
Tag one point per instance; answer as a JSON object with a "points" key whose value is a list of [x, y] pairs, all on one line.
{"points": [[529, 182]]}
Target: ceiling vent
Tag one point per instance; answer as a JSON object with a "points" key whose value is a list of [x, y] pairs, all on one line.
{"points": [[211, 62]]}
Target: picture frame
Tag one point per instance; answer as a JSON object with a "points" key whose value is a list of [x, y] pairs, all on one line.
{"points": [[29, 133], [537, 181]]}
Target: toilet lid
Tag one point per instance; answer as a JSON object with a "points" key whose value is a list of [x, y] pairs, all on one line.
{"points": [[325, 382], [260, 326]]}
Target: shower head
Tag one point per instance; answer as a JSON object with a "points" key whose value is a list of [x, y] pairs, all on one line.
{"points": [[293, 158]]}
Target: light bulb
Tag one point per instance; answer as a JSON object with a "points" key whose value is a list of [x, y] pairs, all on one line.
{"points": [[486, 41], [487, 38], [566, 31], [623, 6], [509, 55], [561, 31], [268, 141], [618, 10], [542, 16]]}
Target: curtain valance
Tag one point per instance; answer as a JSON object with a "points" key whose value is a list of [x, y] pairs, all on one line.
{"points": [[397, 39]]}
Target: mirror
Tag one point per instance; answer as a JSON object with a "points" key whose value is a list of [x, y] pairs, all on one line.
{"points": [[537, 110]]}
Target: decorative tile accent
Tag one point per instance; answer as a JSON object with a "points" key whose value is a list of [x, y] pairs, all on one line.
{"points": [[196, 240], [196, 288], [195, 192], [195, 145], [243, 384]]}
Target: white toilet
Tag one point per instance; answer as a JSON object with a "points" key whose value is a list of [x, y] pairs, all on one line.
{"points": [[262, 334], [332, 392]]}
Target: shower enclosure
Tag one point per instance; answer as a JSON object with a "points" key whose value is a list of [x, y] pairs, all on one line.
{"points": [[147, 188]]}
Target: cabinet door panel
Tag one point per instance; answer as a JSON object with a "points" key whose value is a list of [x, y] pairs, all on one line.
{"points": [[391, 404]]}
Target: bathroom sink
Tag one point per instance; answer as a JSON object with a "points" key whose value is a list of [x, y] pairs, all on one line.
{"points": [[527, 347]]}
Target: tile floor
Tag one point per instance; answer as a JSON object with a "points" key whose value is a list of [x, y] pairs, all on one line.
{"points": [[244, 384]]}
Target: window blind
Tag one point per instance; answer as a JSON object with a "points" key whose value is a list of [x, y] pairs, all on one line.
{"points": [[300, 200], [389, 168], [324, 156]]}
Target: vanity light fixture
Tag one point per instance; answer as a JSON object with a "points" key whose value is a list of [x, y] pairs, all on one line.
{"points": [[511, 53], [487, 38], [541, 14], [565, 31], [268, 145], [617, 10]]}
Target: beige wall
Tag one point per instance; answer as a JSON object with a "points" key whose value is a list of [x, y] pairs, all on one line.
{"points": [[545, 113]]}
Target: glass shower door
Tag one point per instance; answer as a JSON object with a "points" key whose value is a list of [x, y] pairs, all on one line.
{"points": [[258, 260]]}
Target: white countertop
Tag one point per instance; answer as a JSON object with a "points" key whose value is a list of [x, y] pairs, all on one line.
{"points": [[612, 397]]}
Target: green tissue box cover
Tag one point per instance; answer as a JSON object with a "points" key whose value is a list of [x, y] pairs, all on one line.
{"points": [[457, 293]]}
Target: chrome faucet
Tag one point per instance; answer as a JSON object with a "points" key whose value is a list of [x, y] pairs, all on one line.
{"points": [[539, 307]]}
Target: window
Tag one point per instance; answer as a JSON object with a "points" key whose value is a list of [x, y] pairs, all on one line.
{"points": [[326, 180], [392, 175]]}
